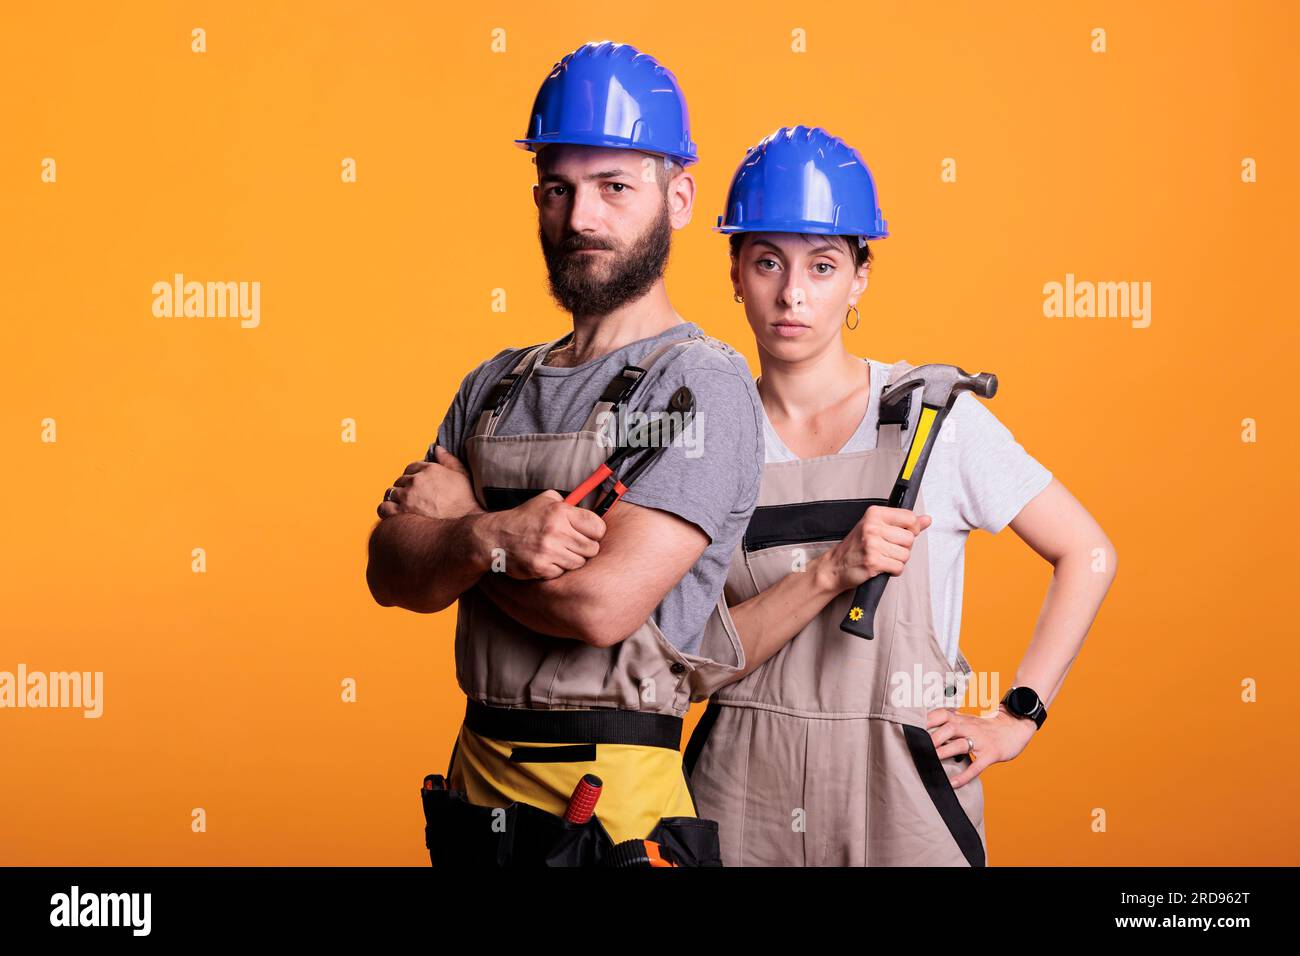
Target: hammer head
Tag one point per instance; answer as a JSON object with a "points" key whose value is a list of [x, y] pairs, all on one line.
{"points": [[941, 384]]}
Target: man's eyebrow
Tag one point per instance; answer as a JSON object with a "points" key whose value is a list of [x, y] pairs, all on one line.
{"points": [[603, 174]]}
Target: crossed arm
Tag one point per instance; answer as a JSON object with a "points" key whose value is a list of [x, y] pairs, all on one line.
{"points": [[555, 568], [423, 563], [643, 554]]}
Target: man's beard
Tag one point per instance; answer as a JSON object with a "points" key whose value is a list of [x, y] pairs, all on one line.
{"points": [[575, 283]]}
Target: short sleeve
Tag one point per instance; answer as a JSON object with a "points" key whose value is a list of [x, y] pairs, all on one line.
{"points": [[996, 476], [455, 423], [710, 475]]}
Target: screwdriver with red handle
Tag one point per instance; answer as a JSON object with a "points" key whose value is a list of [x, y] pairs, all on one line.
{"points": [[583, 802]]}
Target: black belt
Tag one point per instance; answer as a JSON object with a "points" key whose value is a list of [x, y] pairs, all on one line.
{"points": [[608, 726]]}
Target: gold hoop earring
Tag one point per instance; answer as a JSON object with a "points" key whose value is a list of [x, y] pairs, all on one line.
{"points": [[856, 321], [738, 297]]}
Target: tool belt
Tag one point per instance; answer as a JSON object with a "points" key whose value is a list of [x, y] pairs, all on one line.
{"points": [[462, 834]]}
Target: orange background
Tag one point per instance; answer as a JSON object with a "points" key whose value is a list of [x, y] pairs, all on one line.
{"points": [[222, 690]]}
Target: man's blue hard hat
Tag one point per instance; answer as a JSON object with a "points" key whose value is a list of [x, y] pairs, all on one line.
{"points": [[611, 94], [803, 179]]}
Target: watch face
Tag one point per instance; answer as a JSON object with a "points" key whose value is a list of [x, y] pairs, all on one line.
{"points": [[1022, 701]]}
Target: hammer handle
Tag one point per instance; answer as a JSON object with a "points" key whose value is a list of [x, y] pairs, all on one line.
{"points": [[865, 601], [860, 619]]}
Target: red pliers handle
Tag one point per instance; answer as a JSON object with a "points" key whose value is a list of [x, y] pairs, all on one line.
{"points": [[591, 483], [683, 403]]}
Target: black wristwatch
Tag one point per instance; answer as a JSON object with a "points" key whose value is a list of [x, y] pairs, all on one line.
{"points": [[1024, 702]]}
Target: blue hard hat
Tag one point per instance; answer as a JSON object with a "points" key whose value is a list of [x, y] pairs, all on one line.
{"points": [[802, 179], [611, 94]]}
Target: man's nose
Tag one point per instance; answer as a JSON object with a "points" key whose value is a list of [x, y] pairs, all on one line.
{"points": [[584, 210]]}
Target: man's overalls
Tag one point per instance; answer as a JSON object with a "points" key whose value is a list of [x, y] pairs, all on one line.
{"points": [[820, 757], [543, 711]]}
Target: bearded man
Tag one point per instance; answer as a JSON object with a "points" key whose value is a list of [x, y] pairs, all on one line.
{"points": [[581, 640]]}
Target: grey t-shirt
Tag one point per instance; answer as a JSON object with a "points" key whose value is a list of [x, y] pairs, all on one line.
{"points": [[710, 476], [978, 476]]}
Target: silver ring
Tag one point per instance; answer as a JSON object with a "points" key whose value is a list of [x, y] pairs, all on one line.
{"points": [[388, 495], [970, 745]]}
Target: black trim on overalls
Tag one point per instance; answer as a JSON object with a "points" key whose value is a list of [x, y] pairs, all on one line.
{"points": [[942, 795], [562, 753], [805, 521], [503, 499], [610, 726], [700, 736], [451, 761]]}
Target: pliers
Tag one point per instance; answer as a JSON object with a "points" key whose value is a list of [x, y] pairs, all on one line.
{"points": [[650, 438]]}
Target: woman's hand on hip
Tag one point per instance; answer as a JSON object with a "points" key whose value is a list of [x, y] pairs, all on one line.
{"points": [[995, 738]]}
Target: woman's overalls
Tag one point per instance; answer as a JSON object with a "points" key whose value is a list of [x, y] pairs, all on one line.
{"points": [[543, 711], [820, 757]]}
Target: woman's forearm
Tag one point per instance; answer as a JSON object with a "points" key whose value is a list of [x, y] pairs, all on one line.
{"points": [[1073, 598], [766, 622]]}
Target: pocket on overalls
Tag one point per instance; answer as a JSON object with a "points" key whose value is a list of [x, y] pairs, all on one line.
{"points": [[458, 833], [689, 841], [464, 835]]}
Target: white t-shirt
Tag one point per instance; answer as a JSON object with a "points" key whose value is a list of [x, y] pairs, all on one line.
{"points": [[978, 476]]}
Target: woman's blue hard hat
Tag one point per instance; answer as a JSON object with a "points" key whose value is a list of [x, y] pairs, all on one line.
{"points": [[803, 179]]}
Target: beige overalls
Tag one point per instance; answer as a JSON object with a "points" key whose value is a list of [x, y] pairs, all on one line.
{"points": [[820, 757], [542, 711]]}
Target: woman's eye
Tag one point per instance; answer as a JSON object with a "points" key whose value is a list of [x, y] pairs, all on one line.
{"points": [[827, 271], [761, 264]]}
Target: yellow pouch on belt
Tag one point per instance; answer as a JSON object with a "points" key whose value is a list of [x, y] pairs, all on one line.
{"points": [[641, 784]]}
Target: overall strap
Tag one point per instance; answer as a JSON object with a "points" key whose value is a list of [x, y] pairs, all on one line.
{"points": [[894, 420], [503, 393], [621, 387]]}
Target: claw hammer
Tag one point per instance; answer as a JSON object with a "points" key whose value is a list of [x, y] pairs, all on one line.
{"points": [[940, 385]]}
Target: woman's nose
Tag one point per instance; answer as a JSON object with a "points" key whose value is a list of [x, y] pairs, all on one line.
{"points": [[792, 295]]}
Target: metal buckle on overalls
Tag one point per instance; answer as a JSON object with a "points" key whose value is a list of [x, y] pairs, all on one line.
{"points": [[621, 386], [501, 392], [896, 414]]}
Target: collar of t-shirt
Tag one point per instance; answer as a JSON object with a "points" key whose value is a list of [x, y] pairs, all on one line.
{"points": [[862, 439], [680, 330]]}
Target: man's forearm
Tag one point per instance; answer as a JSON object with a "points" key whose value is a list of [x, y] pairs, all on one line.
{"points": [[643, 554], [554, 606], [423, 564]]}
